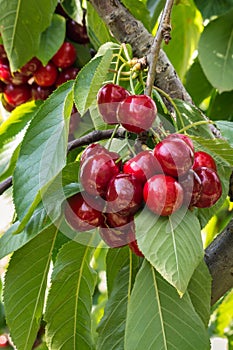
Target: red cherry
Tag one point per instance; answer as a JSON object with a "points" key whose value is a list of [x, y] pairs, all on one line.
{"points": [[192, 188], [40, 92], [46, 76], [15, 95], [137, 113], [76, 32], [143, 166], [183, 137], [174, 156], [108, 99], [124, 195], [31, 67], [3, 54], [96, 172], [211, 187], [2, 86], [4, 342], [204, 159], [81, 212], [69, 73], [18, 78], [65, 56], [133, 245], [75, 120], [163, 194], [5, 72], [6, 105]]}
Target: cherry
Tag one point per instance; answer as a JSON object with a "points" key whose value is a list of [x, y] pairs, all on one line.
{"points": [[69, 73], [163, 194], [143, 166], [183, 137], [96, 172], [133, 245], [15, 95], [204, 159], [5, 72], [4, 342], [6, 105], [211, 187], [40, 92], [124, 194], [108, 99], [76, 32], [81, 212], [46, 75], [137, 113], [65, 56], [18, 78], [174, 155], [75, 120], [117, 220], [2, 86], [3, 54], [192, 187], [31, 67]]}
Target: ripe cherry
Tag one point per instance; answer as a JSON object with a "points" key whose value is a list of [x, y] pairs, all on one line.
{"points": [[5, 72], [183, 137], [96, 172], [211, 187], [163, 195], [2, 86], [108, 99], [3, 54], [65, 56], [96, 148], [76, 32], [133, 245], [137, 113], [40, 92], [69, 73], [6, 105], [31, 67], [15, 95], [143, 166], [124, 195], [46, 76], [204, 159], [174, 155], [81, 212], [192, 187]]}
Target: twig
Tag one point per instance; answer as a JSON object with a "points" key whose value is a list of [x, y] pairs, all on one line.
{"points": [[5, 185], [163, 32]]}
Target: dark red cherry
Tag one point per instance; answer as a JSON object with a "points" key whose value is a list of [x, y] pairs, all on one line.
{"points": [[192, 187], [81, 212], [5, 72], [96, 148], [3, 54], [18, 78], [65, 56], [137, 113], [143, 166], [211, 187], [31, 67], [46, 76], [108, 99], [163, 195], [6, 105], [124, 195], [204, 159], [2, 86], [40, 92], [69, 73], [174, 156], [76, 32], [15, 95], [133, 245], [183, 137], [96, 172]]}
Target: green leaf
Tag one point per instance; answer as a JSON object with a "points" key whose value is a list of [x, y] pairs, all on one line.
{"points": [[43, 151], [216, 50], [199, 290], [221, 107], [70, 299], [197, 84], [158, 319], [186, 28], [173, 245], [139, 10], [224, 314], [111, 328], [155, 7], [91, 77], [213, 8], [9, 156], [226, 129], [51, 39], [24, 288], [74, 9], [22, 23]]}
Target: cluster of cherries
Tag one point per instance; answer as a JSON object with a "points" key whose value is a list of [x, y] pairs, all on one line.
{"points": [[163, 179]]}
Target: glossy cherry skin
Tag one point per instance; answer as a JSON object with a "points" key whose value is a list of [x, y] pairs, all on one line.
{"points": [[6, 105], [133, 245], [204, 159], [65, 56], [46, 76], [211, 187], [81, 212], [137, 113], [96, 173], [76, 32], [174, 156], [143, 166], [163, 195], [183, 137], [69, 73], [108, 99], [31, 67], [5, 72], [3, 54], [15, 95], [192, 187], [124, 195], [2, 86], [40, 92]]}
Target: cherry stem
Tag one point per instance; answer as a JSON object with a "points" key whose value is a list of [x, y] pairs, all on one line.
{"points": [[112, 136], [193, 125], [163, 32]]}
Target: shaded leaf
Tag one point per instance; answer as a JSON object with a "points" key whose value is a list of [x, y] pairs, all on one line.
{"points": [[173, 245], [70, 299], [139, 11], [213, 8], [155, 7], [226, 129], [24, 288], [221, 106], [21, 34], [158, 319], [216, 50], [224, 314]]}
